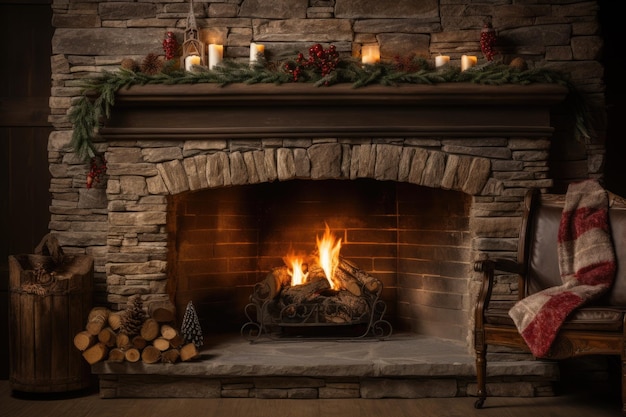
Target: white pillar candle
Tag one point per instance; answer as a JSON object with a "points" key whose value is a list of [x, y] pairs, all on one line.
{"points": [[468, 61], [190, 61], [442, 60], [216, 54], [370, 54], [256, 49]]}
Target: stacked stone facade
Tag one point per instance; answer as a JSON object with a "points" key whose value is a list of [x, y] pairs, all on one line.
{"points": [[121, 222]]}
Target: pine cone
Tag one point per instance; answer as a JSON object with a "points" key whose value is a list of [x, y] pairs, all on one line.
{"points": [[129, 64], [519, 63], [151, 64], [133, 317]]}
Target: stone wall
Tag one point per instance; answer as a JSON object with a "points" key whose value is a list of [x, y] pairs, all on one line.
{"points": [[92, 36]]}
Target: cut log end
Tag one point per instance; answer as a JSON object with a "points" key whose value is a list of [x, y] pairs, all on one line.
{"points": [[150, 329], [96, 353], [189, 352], [116, 355], [84, 340], [150, 354], [163, 312], [132, 355], [170, 356]]}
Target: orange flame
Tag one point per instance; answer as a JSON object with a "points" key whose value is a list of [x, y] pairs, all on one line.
{"points": [[328, 248], [296, 268]]}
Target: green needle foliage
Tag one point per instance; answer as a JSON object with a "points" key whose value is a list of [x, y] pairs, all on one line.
{"points": [[94, 106]]}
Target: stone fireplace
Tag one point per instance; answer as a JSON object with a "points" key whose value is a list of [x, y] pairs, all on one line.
{"points": [[418, 181], [208, 187]]}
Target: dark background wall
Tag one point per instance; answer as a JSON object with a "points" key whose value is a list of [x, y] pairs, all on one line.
{"points": [[615, 62], [25, 52]]}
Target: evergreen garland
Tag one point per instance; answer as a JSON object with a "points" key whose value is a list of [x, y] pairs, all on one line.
{"points": [[88, 112]]}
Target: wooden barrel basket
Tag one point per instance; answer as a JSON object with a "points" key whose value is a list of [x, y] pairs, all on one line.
{"points": [[50, 297]]}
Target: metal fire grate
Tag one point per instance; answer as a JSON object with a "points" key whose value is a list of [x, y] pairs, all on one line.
{"points": [[326, 318]]}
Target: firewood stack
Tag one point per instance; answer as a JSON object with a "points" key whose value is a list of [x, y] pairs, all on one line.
{"points": [[132, 335]]}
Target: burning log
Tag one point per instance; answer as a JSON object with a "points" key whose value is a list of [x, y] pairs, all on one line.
{"points": [[315, 300], [306, 292], [342, 307], [348, 282], [321, 289], [371, 284], [315, 272], [274, 282]]}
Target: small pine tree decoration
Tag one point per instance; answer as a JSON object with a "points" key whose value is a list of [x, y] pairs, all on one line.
{"points": [[133, 316], [191, 329]]}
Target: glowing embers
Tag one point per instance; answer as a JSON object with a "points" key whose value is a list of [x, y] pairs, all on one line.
{"points": [[313, 295]]}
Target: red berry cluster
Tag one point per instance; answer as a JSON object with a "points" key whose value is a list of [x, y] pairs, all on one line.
{"points": [[170, 45], [320, 60], [98, 167], [488, 41], [407, 63]]}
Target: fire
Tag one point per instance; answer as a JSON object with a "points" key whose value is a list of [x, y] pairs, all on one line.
{"points": [[328, 247], [297, 268]]}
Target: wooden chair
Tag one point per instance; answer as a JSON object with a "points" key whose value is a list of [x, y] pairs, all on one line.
{"points": [[594, 329]]}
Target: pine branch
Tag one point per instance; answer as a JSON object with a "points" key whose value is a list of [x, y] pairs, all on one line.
{"points": [[94, 106]]}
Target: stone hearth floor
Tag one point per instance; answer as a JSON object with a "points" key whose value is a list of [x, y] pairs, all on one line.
{"points": [[403, 366]]}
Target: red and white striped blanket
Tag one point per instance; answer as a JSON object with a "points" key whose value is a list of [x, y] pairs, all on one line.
{"points": [[587, 265]]}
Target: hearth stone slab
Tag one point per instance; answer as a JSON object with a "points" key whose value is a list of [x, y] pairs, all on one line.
{"points": [[405, 366]]}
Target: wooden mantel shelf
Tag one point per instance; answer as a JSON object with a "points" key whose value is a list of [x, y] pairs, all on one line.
{"points": [[202, 111]]}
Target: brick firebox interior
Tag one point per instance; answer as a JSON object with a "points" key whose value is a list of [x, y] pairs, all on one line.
{"points": [[414, 239]]}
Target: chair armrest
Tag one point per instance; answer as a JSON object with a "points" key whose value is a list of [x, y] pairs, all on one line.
{"points": [[499, 264], [488, 267]]}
